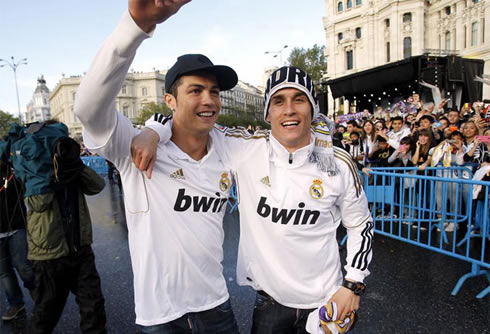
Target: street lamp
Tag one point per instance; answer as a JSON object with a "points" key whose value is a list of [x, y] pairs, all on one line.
{"points": [[13, 65], [276, 53]]}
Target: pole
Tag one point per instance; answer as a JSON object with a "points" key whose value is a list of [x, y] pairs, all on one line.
{"points": [[13, 65], [17, 92], [277, 53]]}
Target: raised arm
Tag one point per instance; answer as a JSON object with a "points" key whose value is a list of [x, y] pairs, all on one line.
{"points": [[95, 101]]}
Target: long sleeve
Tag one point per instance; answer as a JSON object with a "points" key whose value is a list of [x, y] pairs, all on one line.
{"points": [[358, 221], [393, 157], [95, 103]]}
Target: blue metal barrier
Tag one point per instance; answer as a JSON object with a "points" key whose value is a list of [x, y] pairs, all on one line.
{"points": [[96, 163], [410, 207]]}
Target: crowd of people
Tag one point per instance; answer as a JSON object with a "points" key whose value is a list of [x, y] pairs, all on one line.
{"points": [[409, 135], [296, 188]]}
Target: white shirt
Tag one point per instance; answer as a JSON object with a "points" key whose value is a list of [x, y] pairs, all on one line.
{"points": [[175, 219], [289, 214], [395, 137], [288, 245]]}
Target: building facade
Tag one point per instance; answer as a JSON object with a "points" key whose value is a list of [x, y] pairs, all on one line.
{"points": [[38, 109], [244, 100], [139, 89], [363, 34]]}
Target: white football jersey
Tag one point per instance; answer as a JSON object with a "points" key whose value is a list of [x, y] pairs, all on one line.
{"points": [[289, 214], [175, 219]]}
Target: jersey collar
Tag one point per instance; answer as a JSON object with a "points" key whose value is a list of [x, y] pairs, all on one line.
{"points": [[281, 157]]}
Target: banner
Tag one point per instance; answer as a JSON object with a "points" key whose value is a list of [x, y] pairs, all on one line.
{"points": [[349, 117]]}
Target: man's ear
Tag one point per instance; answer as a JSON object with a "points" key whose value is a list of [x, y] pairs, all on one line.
{"points": [[170, 101], [268, 117]]}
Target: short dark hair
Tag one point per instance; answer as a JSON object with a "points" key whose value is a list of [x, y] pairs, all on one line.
{"points": [[454, 134], [353, 122], [406, 140], [427, 117], [397, 118], [173, 89]]}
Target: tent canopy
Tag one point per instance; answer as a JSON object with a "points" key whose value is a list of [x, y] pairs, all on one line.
{"points": [[445, 72]]}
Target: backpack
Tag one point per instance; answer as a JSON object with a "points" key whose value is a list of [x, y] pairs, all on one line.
{"points": [[30, 151]]}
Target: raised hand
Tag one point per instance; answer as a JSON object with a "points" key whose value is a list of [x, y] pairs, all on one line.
{"points": [[148, 13]]}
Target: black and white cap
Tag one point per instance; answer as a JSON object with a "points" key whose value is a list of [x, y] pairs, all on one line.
{"points": [[291, 77]]}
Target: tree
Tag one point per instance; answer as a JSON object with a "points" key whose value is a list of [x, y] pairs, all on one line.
{"points": [[242, 120], [5, 120], [152, 108], [313, 61]]}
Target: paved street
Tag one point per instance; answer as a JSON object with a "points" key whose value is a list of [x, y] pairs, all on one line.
{"points": [[408, 290]]}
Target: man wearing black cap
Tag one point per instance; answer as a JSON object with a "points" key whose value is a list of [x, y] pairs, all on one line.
{"points": [[293, 190], [175, 221]]}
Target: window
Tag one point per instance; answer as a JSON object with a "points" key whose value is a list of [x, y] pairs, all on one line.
{"points": [[476, 1], [349, 55], [340, 36], [358, 33], [407, 47], [447, 9], [474, 33], [144, 91], [407, 17], [387, 23], [125, 110], [73, 94], [483, 30], [465, 37], [447, 45], [349, 4], [123, 90], [388, 52], [340, 6], [358, 2]]}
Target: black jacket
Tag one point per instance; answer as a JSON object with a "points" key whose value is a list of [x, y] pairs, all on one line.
{"points": [[12, 208]]}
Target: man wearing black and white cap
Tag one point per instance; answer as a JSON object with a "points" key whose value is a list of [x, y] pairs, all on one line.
{"points": [[294, 188], [175, 221]]}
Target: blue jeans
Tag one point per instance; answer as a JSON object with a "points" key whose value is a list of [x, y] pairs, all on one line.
{"points": [[13, 254], [270, 317], [218, 320]]}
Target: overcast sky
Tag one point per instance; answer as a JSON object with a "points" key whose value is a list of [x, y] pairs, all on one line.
{"points": [[62, 37]]}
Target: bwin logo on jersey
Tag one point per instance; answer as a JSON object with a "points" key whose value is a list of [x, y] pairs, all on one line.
{"points": [[284, 216], [198, 203]]}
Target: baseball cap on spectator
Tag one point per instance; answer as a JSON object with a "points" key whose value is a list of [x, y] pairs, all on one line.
{"points": [[190, 63]]}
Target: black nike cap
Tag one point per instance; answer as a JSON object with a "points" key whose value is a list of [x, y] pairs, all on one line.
{"points": [[190, 63]]}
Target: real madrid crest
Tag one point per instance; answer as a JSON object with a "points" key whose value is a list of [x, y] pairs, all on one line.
{"points": [[316, 189], [224, 182]]}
